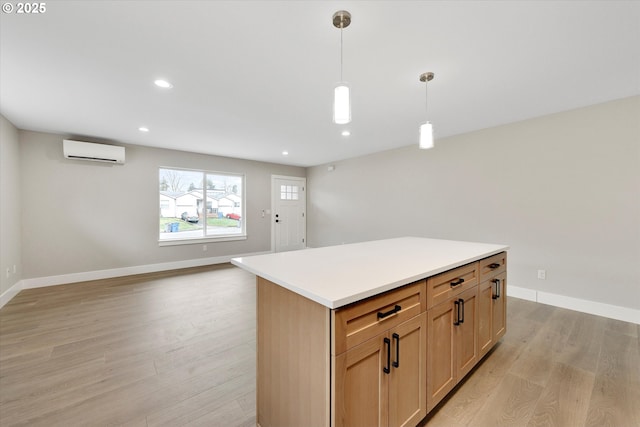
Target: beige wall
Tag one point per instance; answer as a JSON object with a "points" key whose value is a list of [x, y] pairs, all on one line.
{"points": [[85, 216], [10, 212], [562, 190]]}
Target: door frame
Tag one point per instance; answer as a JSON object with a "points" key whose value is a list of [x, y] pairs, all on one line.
{"points": [[274, 195]]}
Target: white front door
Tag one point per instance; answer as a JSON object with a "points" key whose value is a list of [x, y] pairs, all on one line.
{"points": [[289, 213]]}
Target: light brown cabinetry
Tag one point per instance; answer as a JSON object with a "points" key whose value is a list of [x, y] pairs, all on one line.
{"points": [[492, 302], [382, 381], [452, 329], [361, 321]]}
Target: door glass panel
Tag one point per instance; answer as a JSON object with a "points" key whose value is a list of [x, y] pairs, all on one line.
{"points": [[289, 192]]}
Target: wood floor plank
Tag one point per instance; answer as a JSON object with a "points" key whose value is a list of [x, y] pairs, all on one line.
{"points": [[565, 399], [583, 345], [511, 405], [208, 402], [470, 396], [616, 391]]}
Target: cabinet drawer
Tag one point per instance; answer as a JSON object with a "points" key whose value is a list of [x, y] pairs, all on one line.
{"points": [[362, 320], [492, 266], [443, 286]]}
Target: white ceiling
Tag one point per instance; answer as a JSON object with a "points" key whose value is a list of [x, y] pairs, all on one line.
{"points": [[254, 78]]}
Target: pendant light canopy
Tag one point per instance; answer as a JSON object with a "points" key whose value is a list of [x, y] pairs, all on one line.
{"points": [[342, 93], [426, 129]]}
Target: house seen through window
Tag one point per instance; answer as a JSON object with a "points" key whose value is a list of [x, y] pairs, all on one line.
{"points": [[200, 205]]}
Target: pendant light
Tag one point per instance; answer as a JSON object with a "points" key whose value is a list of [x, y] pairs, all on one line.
{"points": [[426, 129], [341, 94]]}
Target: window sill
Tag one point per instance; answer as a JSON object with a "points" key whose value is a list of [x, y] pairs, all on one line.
{"points": [[200, 240]]}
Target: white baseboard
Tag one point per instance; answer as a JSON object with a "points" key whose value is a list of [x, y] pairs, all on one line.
{"points": [[522, 293], [585, 306], [40, 282], [10, 293]]}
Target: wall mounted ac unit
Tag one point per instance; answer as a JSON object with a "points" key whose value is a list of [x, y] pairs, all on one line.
{"points": [[79, 150]]}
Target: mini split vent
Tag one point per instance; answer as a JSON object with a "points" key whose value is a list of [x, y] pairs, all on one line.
{"points": [[79, 150]]}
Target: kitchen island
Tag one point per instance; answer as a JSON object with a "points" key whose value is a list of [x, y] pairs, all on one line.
{"points": [[372, 333]]}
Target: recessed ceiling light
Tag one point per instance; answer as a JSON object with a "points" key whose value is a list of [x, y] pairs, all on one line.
{"points": [[346, 133], [143, 129], [285, 153], [163, 84]]}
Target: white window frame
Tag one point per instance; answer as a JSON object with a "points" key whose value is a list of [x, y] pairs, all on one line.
{"points": [[208, 238]]}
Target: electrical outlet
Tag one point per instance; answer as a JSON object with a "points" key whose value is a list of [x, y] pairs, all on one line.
{"points": [[204, 248], [542, 274]]}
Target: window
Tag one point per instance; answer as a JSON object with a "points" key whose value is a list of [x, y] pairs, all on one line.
{"points": [[200, 205], [288, 192]]}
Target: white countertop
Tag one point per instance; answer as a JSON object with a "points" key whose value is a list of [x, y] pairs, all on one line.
{"points": [[335, 276]]}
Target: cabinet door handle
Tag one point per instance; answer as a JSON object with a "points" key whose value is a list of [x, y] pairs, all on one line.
{"points": [[396, 363], [387, 343], [462, 307], [457, 308], [457, 282], [494, 265], [497, 294], [394, 310]]}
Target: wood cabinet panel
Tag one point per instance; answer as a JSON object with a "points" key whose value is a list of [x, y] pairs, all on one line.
{"points": [[362, 386], [452, 332], [500, 307], [440, 344], [361, 321], [408, 378], [492, 266], [492, 303], [442, 287], [367, 395], [466, 333], [485, 318], [293, 358]]}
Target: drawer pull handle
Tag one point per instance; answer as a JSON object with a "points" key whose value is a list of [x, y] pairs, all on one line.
{"points": [[457, 309], [387, 369], [462, 305], [396, 363], [394, 310], [457, 282], [494, 265], [497, 294]]}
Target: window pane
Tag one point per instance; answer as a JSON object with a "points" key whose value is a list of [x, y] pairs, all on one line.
{"points": [[225, 194], [181, 200]]}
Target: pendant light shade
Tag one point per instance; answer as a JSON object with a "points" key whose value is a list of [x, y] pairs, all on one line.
{"points": [[341, 104], [342, 94], [426, 129], [426, 136]]}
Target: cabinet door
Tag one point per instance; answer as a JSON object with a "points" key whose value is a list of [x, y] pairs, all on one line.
{"points": [[361, 385], [440, 342], [466, 347], [499, 306], [408, 380], [485, 317]]}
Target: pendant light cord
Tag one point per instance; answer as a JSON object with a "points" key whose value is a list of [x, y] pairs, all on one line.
{"points": [[426, 99], [341, 60]]}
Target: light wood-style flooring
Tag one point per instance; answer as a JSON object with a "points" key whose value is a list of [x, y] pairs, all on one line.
{"points": [[178, 349]]}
